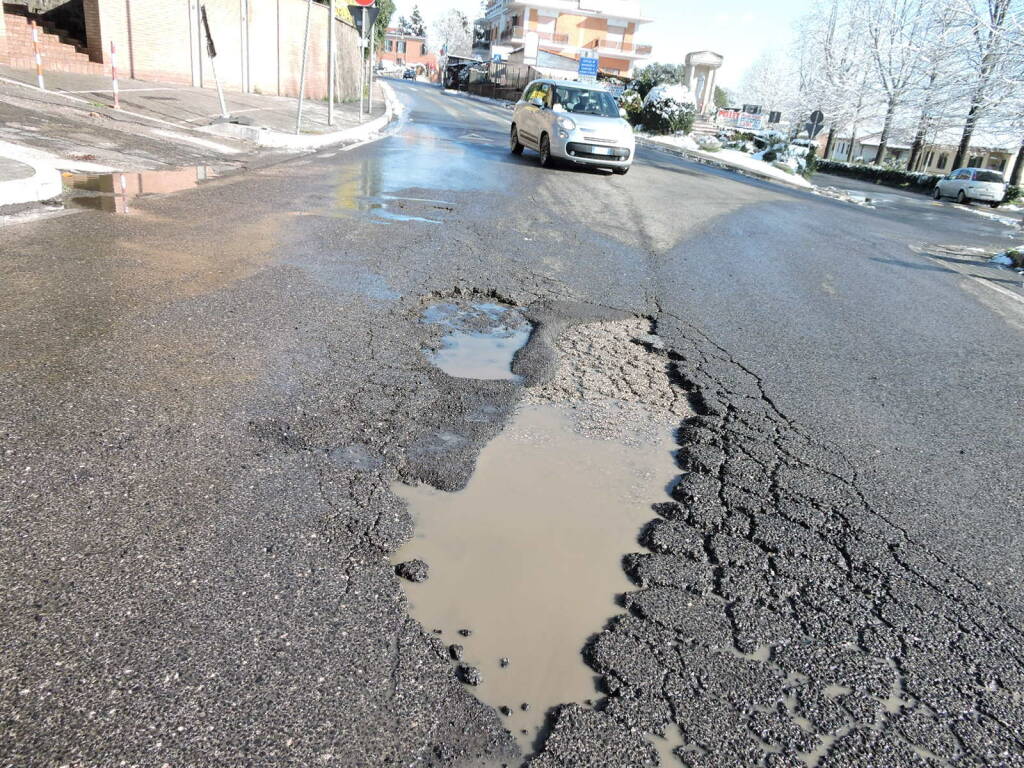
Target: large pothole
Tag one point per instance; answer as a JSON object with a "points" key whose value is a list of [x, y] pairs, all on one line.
{"points": [[525, 563]]}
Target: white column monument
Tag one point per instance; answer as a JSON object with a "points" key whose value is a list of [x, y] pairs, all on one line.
{"points": [[701, 67]]}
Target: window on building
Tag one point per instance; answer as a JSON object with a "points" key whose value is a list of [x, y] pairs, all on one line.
{"points": [[943, 159], [401, 46], [423, 49], [389, 45], [928, 159], [997, 163], [975, 161]]}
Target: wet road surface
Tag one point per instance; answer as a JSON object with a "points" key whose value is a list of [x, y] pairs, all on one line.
{"points": [[207, 402]]}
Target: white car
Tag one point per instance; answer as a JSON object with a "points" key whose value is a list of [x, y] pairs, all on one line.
{"points": [[972, 184], [574, 122]]}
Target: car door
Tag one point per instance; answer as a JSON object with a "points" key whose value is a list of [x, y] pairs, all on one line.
{"points": [[961, 182], [531, 116]]}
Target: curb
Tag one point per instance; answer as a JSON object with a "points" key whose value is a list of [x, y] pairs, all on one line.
{"points": [[43, 184], [678, 152], [267, 137]]}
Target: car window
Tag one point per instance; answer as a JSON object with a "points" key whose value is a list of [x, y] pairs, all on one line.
{"points": [[962, 175], [585, 101], [537, 91], [988, 176]]}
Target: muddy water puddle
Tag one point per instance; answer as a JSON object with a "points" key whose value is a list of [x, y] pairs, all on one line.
{"points": [[113, 192], [528, 557], [482, 341]]}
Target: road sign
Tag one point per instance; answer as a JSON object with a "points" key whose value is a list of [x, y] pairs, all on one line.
{"points": [[363, 4], [774, 117], [815, 123], [357, 12], [588, 67]]}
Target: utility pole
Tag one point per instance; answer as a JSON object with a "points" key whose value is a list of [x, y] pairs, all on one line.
{"points": [[369, 90], [302, 72], [362, 63]]}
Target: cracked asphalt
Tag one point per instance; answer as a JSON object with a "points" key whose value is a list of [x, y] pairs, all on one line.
{"points": [[204, 405]]}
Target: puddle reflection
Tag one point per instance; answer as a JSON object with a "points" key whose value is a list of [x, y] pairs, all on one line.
{"points": [[483, 341], [112, 192]]}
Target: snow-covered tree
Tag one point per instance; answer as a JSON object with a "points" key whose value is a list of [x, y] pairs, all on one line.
{"points": [[451, 34], [416, 25], [984, 53], [895, 28]]}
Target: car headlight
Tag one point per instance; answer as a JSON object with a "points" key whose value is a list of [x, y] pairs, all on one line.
{"points": [[566, 124]]}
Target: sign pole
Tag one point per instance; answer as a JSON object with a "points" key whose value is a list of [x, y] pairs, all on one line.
{"points": [[369, 92], [362, 71], [332, 67], [302, 72], [211, 51]]}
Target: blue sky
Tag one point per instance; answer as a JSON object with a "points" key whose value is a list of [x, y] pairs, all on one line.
{"points": [[740, 30]]}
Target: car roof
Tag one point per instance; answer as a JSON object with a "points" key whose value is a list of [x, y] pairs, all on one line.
{"points": [[572, 83]]}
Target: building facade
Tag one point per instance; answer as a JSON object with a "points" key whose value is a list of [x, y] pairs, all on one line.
{"points": [[606, 29], [936, 158], [402, 50]]}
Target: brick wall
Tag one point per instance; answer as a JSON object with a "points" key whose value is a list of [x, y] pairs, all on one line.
{"points": [[4, 59], [259, 44]]}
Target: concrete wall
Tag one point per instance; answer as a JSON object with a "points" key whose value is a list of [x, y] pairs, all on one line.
{"points": [[258, 42], [4, 56]]}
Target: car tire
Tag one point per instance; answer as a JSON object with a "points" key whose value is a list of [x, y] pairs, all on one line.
{"points": [[621, 171], [961, 197], [514, 144], [995, 205], [545, 151], [936, 194]]}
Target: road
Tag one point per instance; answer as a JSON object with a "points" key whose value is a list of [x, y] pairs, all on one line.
{"points": [[205, 404]]}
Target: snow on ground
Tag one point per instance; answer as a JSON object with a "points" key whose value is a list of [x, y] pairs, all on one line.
{"points": [[496, 102], [730, 158], [989, 214], [1003, 259]]}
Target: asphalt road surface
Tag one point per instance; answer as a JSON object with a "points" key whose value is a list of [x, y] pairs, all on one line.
{"points": [[204, 405]]}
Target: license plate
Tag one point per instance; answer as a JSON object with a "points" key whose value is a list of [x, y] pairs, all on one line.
{"points": [[602, 151]]}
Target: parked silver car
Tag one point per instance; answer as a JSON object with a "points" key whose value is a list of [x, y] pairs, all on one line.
{"points": [[573, 121], [972, 184]]}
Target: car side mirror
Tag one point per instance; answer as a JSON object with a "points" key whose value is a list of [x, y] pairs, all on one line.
{"points": [[537, 101], [622, 113]]}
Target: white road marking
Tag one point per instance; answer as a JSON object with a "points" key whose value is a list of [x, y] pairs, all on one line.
{"points": [[988, 283]]}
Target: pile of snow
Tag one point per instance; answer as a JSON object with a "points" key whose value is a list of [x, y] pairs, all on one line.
{"points": [[709, 143]]}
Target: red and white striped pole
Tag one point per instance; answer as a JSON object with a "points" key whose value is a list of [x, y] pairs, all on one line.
{"points": [[113, 74], [39, 56]]}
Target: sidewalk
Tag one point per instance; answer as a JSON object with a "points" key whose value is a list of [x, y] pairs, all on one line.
{"points": [[159, 125]]}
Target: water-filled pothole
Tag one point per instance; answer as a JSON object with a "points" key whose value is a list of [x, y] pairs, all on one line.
{"points": [[112, 192], [529, 557], [483, 339]]}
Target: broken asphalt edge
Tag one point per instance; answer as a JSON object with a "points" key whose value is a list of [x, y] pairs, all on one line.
{"points": [[267, 137], [43, 184]]}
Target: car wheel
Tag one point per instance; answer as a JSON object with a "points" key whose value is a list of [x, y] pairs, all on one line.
{"points": [[961, 197], [995, 205], [545, 151], [622, 171], [514, 144], [936, 194]]}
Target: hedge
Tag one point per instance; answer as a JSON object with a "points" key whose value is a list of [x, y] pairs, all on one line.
{"points": [[919, 182]]}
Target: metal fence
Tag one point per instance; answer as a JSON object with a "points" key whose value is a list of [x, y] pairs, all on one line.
{"points": [[498, 79]]}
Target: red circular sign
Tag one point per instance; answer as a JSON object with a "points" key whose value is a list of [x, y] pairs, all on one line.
{"points": [[364, 3]]}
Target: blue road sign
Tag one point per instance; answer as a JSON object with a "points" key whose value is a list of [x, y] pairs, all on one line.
{"points": [[588, 67]]}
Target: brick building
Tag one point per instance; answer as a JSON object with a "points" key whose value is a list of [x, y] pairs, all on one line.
{"points": [[258, 42], [402, 50], [570, 28]]}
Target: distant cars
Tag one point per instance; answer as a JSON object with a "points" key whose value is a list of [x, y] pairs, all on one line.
{"points": [[972, 184], [574, 122], [409, 74]]}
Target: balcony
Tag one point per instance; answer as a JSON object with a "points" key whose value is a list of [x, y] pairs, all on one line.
{"points": [[517, 34], [616, 48]]}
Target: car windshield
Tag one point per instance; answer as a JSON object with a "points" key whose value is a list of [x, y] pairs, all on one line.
{"points": [[582, 101], [989, 176]]}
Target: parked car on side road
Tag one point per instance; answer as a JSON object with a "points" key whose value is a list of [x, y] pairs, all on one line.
{"points": [[972, 184], [409, 74], [575, 122]]}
